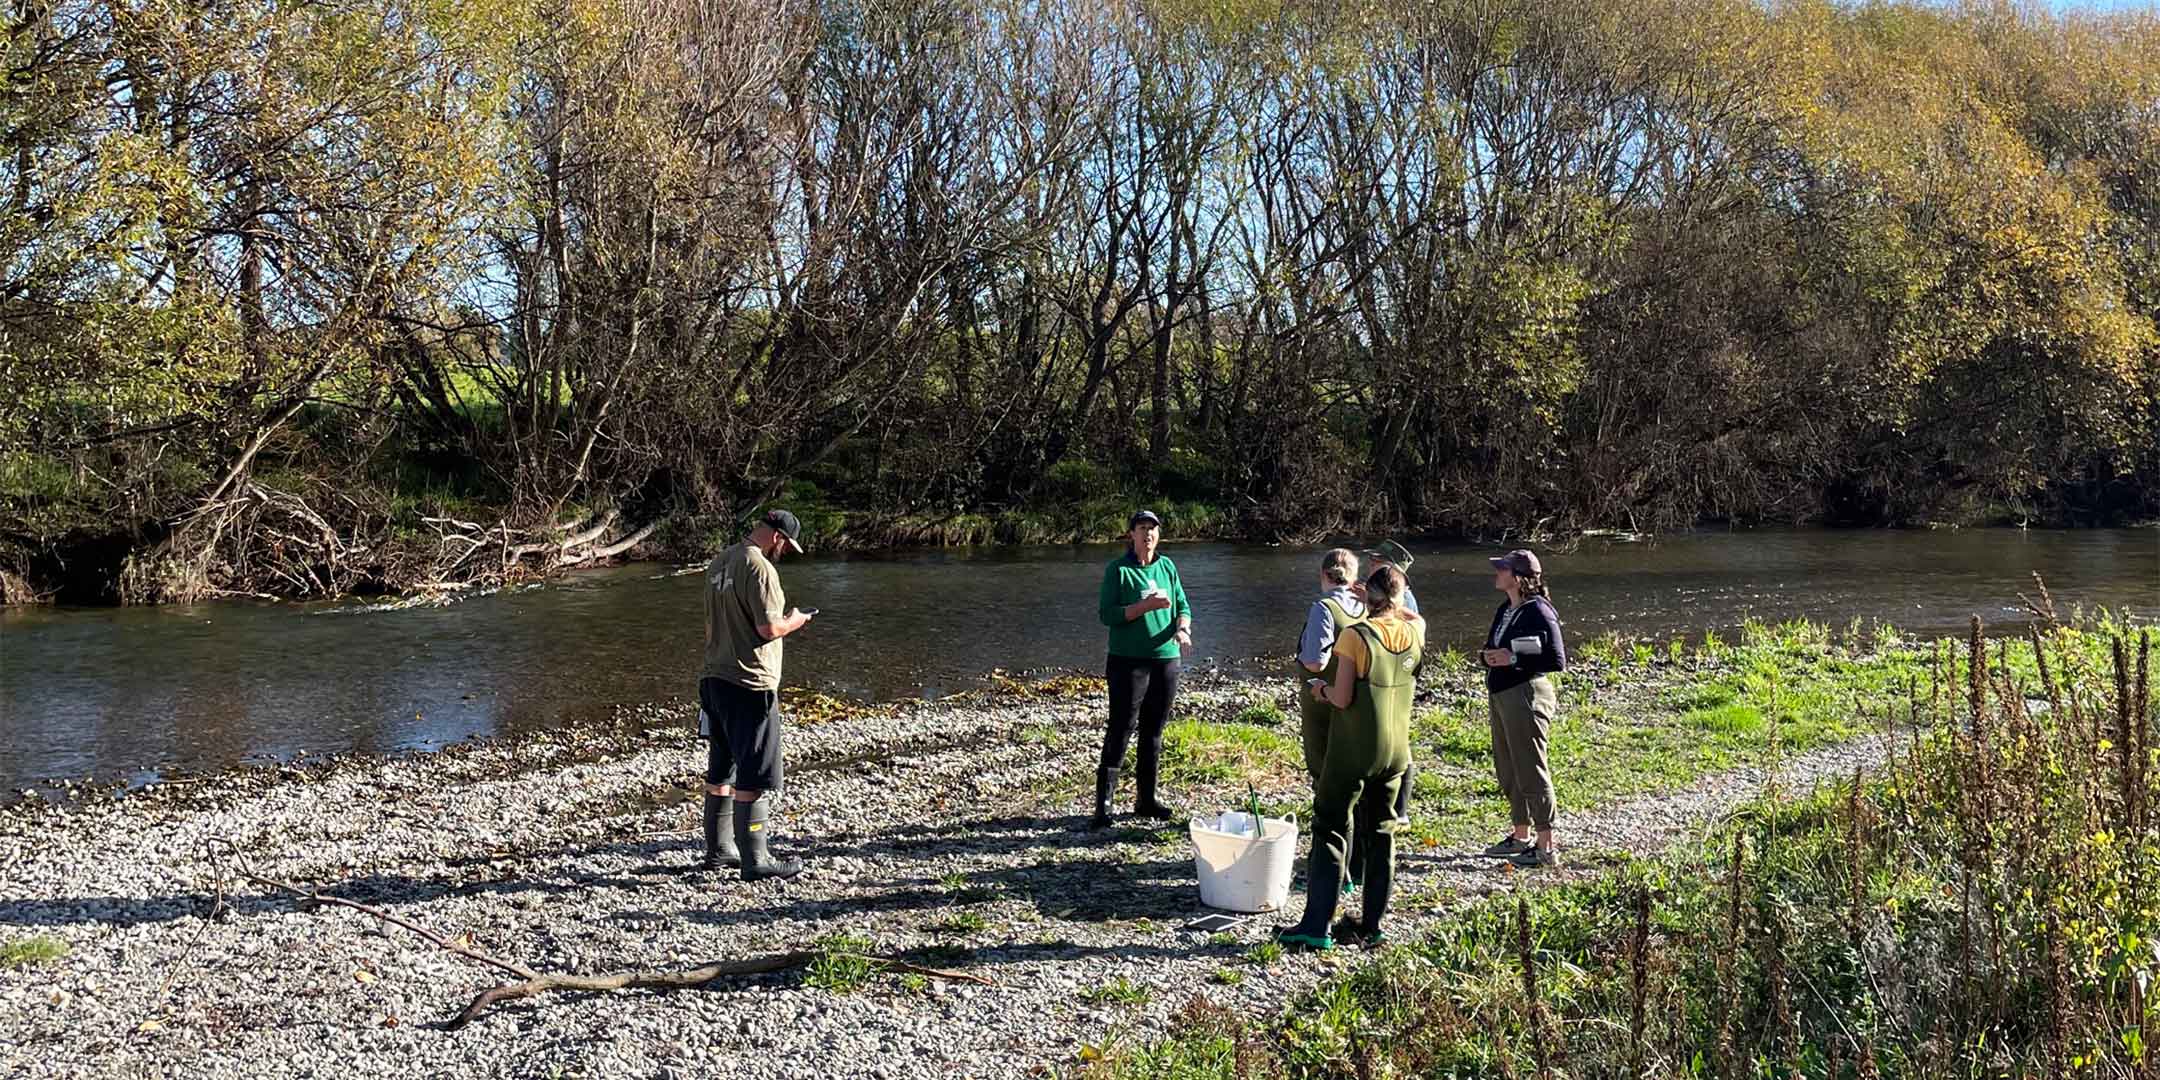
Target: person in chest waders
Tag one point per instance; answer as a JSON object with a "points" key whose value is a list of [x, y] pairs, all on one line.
{"points": [[1142, 603], [1368, 749], [1341, 604], [1390, 553]]}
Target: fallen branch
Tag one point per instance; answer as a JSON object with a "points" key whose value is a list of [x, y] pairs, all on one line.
{"points": [[533, 983], [628, 980], [612, 550], [576, 540], [517, 969], [681, 979]]}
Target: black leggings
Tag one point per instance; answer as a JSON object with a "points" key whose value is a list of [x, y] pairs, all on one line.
{"points": [[1140, 690]]}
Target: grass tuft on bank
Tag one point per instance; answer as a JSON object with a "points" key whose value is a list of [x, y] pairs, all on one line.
{"points": [[1636, 718]]}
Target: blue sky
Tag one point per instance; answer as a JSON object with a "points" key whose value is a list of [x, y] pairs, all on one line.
{"points": [[2102, 5]]}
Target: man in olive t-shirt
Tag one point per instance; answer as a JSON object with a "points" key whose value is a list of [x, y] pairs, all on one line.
{"points": [[739, 691]]}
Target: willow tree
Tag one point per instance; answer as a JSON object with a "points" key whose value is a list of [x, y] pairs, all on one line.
{"points": [[235, 196]]}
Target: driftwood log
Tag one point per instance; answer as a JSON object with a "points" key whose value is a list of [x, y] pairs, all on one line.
{"points": [[532, 983]]}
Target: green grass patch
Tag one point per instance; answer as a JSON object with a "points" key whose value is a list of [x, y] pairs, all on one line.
{"points": [[1634, 721], [965, 922], [1198, 752], [35, 949], [843, 965], [1118, 991]]}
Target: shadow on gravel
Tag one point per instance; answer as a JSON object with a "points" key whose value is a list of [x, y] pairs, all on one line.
{"points": [[376, 889], [1074, 875]]}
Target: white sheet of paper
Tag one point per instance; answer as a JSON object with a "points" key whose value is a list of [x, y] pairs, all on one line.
{"points": [[1527, 646]]}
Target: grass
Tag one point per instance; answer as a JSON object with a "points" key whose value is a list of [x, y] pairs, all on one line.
{"points": [[843, 965], [1118, 991], [965, 922], [1634, 721], [35, 949], [1985, 907], [1196, 752]]}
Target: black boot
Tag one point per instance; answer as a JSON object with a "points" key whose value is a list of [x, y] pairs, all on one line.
{"points": [[1144, 776], [1379, 886], [720, 832], [1323, 888], [751, 835], [1105, 790], [1354, 865]]}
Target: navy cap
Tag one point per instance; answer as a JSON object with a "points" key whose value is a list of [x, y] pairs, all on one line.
{"points": [[1144, 515], [1520, 560]]}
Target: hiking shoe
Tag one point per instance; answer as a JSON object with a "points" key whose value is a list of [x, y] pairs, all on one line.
{"points": [[1349, 888], [1536, 857], [1509, 846]]}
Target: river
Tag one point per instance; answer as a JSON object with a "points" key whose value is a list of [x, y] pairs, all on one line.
{"points": [[135, 694]]}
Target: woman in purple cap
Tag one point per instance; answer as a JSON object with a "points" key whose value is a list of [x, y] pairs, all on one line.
{"points": [[1521, 653]]}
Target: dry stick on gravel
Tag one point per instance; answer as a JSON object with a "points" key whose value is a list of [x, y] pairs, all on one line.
{"points": [[514, 968], [682, 979], [533, 983]]}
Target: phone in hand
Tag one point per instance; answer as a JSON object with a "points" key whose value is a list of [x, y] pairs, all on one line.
{"points": [[810, 611], [1316, 682]]}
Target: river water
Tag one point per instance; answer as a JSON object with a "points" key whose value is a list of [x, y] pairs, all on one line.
{"points": [[138, 693]]}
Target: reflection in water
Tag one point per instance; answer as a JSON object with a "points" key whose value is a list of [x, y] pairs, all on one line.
{"points": [[106, 692]]}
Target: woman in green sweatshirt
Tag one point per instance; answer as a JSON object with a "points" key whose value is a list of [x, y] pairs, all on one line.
{"points": [[1143, 604]]}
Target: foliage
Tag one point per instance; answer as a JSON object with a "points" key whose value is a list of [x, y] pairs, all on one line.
{"points": [[969, 271], [843, 964]]}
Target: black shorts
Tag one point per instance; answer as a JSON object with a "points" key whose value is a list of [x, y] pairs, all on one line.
{"points": [[744, 749]]}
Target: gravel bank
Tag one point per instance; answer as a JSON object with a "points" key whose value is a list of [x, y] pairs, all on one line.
{"points": [[569, 852]]}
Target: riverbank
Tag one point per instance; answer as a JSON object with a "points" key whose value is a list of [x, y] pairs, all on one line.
{"points": [[1982, 906], [946, 833]]}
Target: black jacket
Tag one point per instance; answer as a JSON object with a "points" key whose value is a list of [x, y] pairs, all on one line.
{"points": [[1536, 619]]}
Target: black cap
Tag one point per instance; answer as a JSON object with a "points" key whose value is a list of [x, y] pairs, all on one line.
{"points": [[784, 523], [1144, 515]]}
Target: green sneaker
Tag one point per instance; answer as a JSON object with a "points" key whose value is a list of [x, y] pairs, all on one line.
{"points": [[1295, 942]]}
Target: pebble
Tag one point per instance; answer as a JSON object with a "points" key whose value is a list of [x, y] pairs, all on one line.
{"points": [[563, 852]]}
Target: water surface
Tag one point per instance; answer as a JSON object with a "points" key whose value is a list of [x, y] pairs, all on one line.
{"points": [[134, 692]]}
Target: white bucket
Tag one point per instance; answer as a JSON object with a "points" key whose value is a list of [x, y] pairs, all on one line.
{"points": [[1240, 871]]}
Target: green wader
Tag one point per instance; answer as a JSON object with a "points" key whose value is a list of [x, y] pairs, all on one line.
{"points": [[1315, 717], [1368, 749]]}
